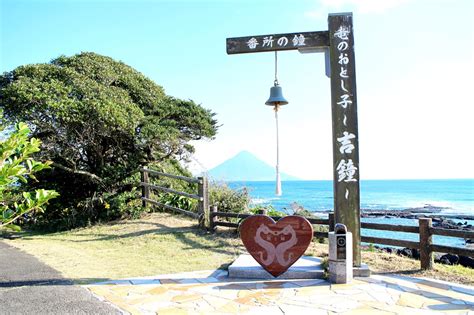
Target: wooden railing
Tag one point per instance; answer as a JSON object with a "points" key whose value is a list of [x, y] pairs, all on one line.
{"points": [[214, 214], [201, 196], [208, 218], [425, 230]]}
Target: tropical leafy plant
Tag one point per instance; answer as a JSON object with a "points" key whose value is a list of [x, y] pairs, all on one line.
{"points": [[16, 168]]}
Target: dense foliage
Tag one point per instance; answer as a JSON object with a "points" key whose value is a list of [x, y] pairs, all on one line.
{"points": [[99, 120], [16, 168], [173, 167], [227, 199]]}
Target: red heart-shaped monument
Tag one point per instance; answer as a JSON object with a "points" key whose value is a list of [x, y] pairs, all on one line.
{"points": [[276, 245]]}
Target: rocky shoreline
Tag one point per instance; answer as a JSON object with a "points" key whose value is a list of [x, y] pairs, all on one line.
{"points": [[439, 219], [442, 258]]}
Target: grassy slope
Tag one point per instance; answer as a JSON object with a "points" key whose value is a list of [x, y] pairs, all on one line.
{"points": [[162, 243]]}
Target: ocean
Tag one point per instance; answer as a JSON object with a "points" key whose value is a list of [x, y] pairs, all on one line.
{"points": [[453, 196]]}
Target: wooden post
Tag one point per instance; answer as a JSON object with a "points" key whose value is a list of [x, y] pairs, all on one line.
{"points": [[344, 127], [331, 221], [212, 219], [145, 189], [203, 204], [339, 40], [426, 240]]}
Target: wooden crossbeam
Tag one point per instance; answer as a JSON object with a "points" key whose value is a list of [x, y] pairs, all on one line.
{"points": [[273, 42]]}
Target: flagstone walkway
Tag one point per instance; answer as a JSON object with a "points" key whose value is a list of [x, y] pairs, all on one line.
{"points": [[212, 292]]}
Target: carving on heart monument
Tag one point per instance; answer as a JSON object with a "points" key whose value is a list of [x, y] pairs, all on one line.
{"points": [[276, 245]]}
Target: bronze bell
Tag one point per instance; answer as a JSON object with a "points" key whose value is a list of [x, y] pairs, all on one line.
{"points": [[276, 96]]}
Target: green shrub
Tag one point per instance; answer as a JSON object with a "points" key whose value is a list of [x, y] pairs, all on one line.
{"points": [[173, 167], [270, 210], [177, 201], [227, 199], [371, 248], [124, 205]]}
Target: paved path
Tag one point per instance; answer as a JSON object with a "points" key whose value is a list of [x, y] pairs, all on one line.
{"points": [[28, 286], [209, 292]]}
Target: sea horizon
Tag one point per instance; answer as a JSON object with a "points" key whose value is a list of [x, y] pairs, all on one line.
{"points": [[371, 179], [452, 196]]}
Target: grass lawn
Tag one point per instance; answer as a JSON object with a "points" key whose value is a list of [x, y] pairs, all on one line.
{"points": [[156, 244], [163, 243]]}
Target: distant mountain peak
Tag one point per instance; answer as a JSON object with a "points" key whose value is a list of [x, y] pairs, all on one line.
{"points": [[244, 154], [245, 166]]}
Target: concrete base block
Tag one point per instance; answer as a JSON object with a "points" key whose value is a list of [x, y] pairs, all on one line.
{"points": [[362, 271], [340, 272], [304, 268]]}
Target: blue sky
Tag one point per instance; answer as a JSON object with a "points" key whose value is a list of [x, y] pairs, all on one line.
{"points": [[414, 62]]}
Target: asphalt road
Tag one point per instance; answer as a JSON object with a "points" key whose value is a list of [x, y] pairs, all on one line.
{"points": [[28, 286]]}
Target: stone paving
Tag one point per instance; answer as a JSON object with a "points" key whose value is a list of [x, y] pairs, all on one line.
{"points": [[212, 292]]}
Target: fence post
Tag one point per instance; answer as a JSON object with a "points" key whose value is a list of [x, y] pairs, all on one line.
{"points": [[212, 219], [145, 189], [426, 240], [203, 204], [331, 221]]}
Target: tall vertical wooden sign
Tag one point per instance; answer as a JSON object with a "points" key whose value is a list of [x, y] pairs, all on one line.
{"points": [[340, 42], [344, 126]]}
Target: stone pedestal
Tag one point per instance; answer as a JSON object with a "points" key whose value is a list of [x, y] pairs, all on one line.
{"points": [[340, 257], [362, 271], [246, 267]]}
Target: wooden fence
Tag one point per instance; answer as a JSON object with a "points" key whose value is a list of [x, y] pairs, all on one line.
{"points": [[208, 218], [201, 195], [424, 229]]}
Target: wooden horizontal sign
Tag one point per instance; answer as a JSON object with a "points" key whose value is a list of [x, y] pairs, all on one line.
{"points": [[272, 42]]}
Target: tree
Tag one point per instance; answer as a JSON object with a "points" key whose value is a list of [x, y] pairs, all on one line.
{"points": [[16, 167], [99, 120]]}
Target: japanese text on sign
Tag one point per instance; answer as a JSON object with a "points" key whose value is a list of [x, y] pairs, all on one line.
{"points": [[346, 170], [283, 41]]}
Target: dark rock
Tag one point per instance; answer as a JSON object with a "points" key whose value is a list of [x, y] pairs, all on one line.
{"points": [[386, 249], [405, 252], [451, 224], [469, 241], [449, 259], [444, 261], [437, 257], [466, 261]]}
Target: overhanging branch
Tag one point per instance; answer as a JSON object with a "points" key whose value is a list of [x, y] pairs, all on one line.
{"points": [[93, 177]]}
